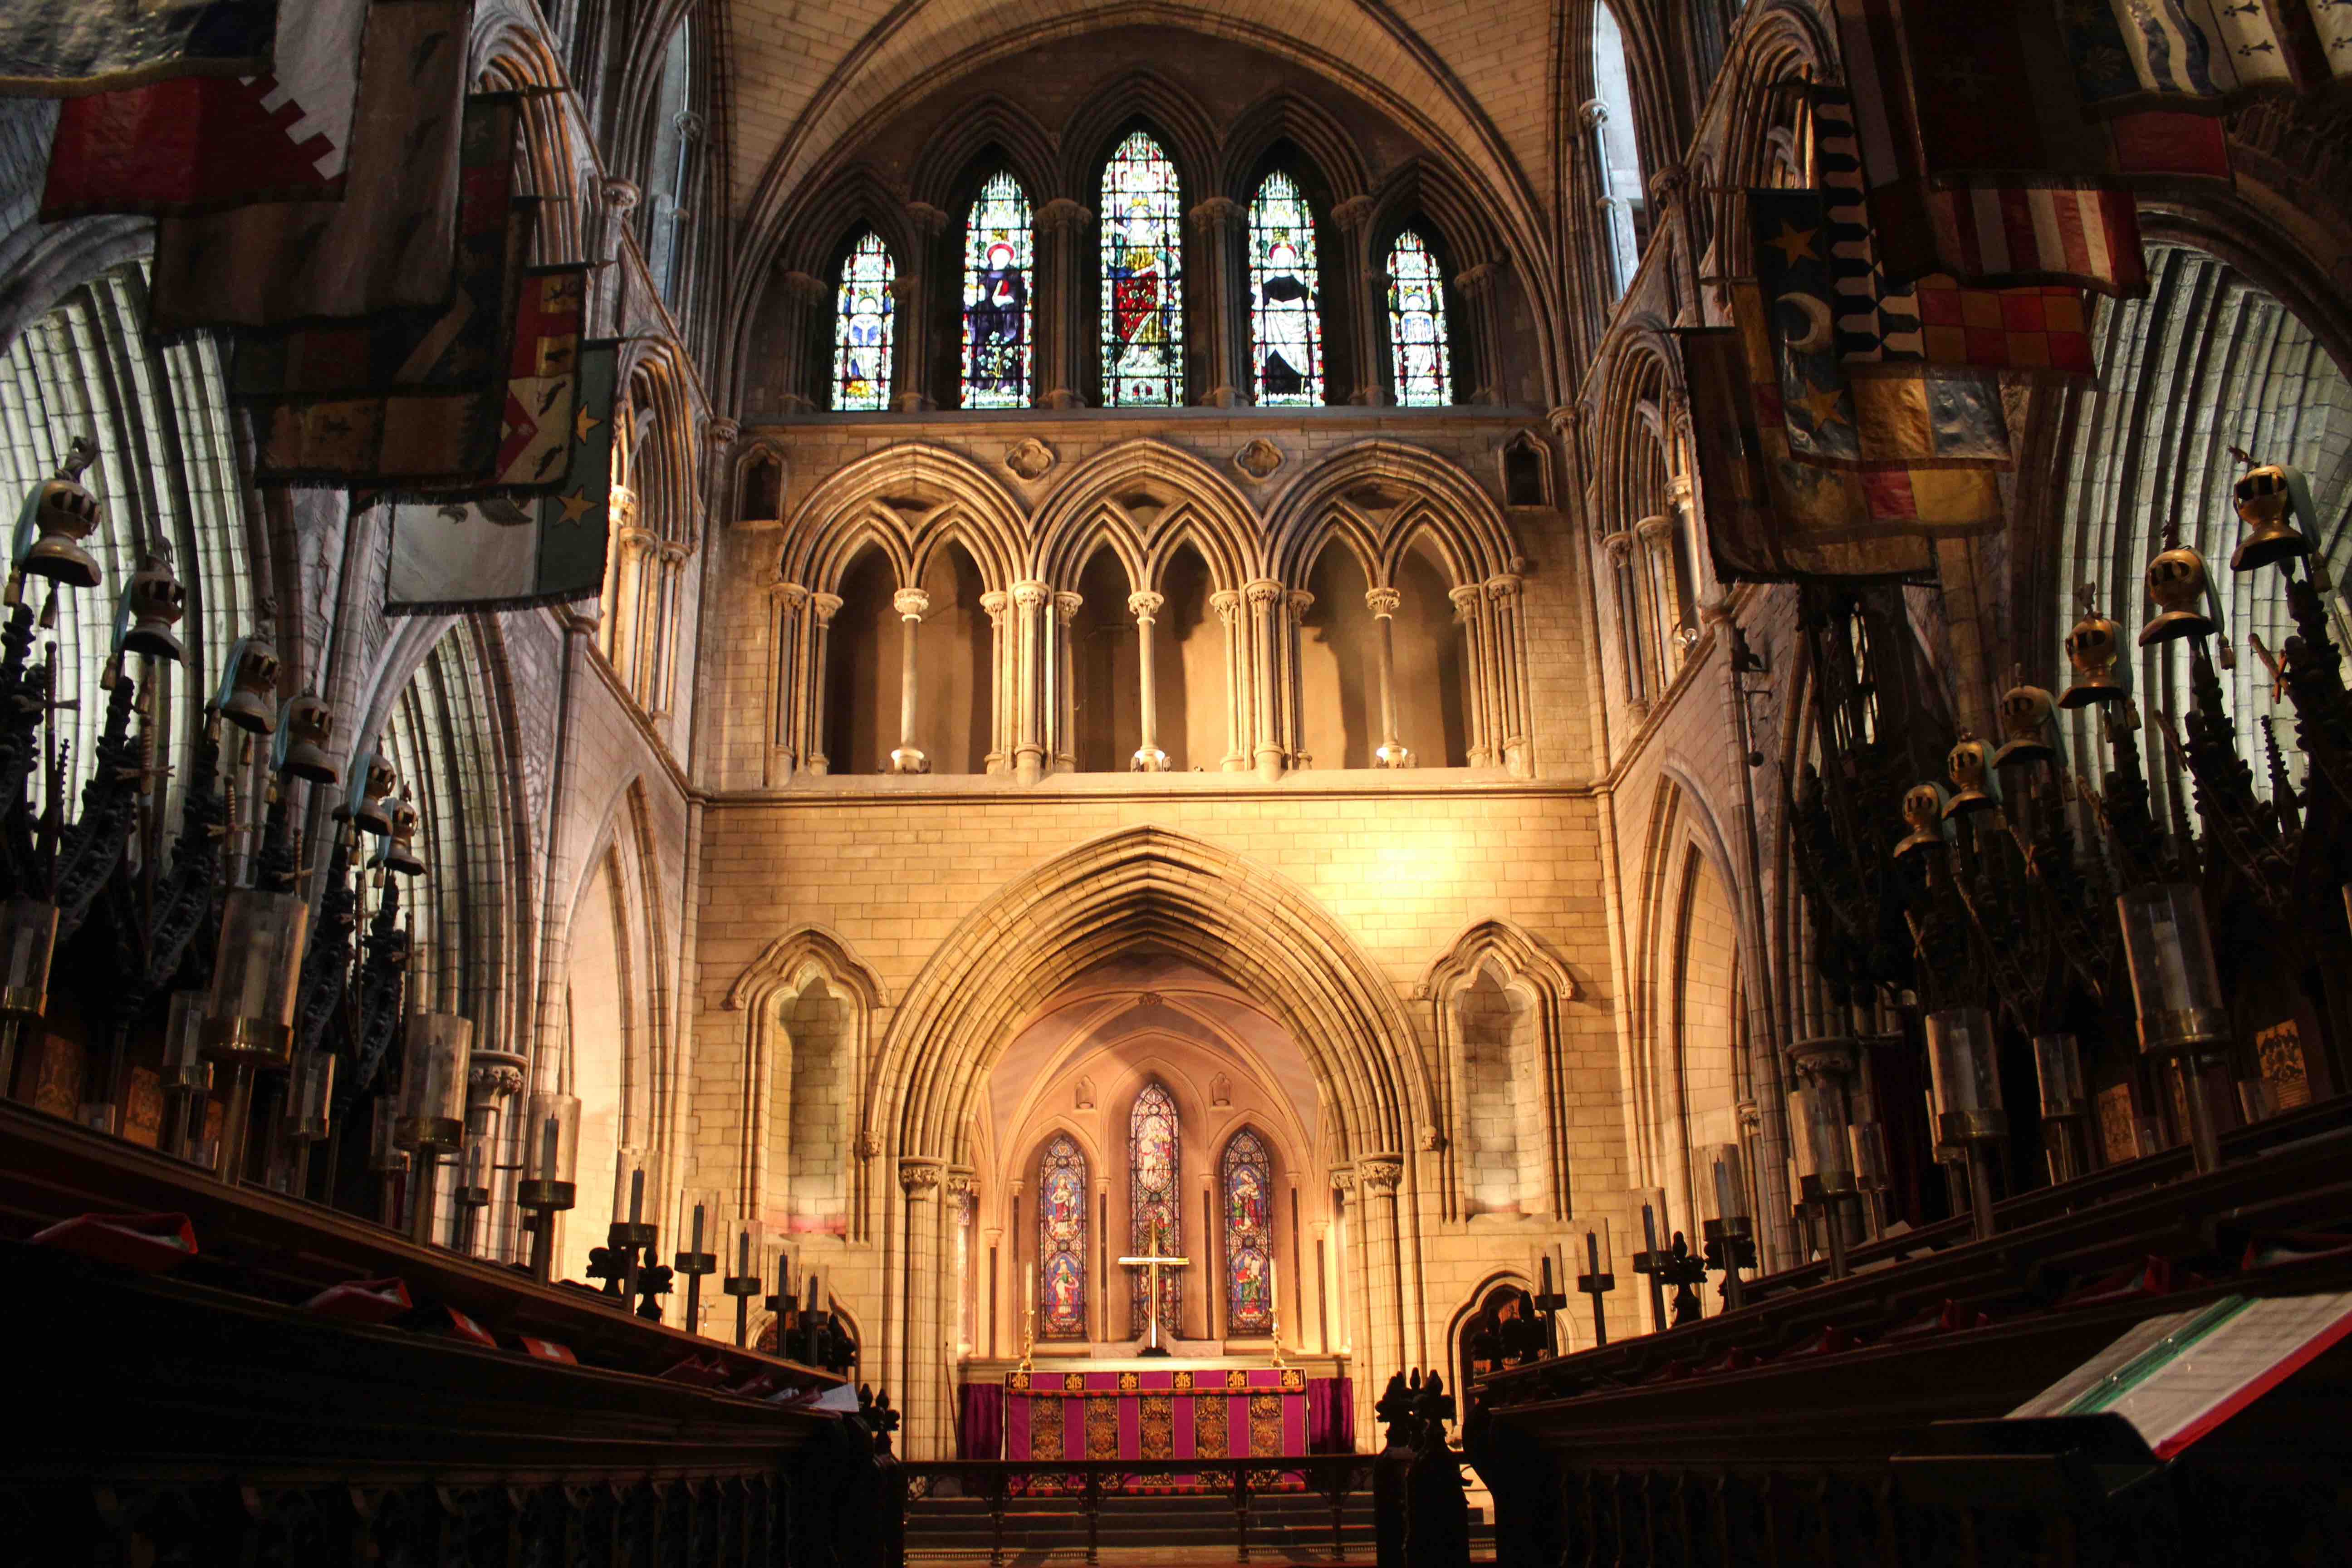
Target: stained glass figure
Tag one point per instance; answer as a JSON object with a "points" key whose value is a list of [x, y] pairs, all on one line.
{"points": [[998, 255], [1247, 1177], [1285, 326], [861, 326], [1155, 1217], [1424, 370], [1062, 1240], [1142, 277]]}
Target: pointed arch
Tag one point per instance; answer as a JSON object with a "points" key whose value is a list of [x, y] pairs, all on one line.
{"points": [[988, 132], [1189, 501], [1499, 999], [1409, 487], [1140, 100], [890, 497]]}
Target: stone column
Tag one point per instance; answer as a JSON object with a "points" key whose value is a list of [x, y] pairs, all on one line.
{"points": [[1510, 636], [627, 628], [1225, 301], [805, 349], [1295, 604], [1469, 603], [822, 607], [923, 1355], [674, 555], [493, 1078], [1000, 748], [787, 604], [1060, 688], [1475, 288], [1384, 602], [1655, 536], [962, 1190], [1370, 278], [911, 320], [719, 438], [1228, 606], [1144, 605], [1383, 1245], [1264, 594], [1029, 752], [1619, 548], [912, 605], [1063, 226]]}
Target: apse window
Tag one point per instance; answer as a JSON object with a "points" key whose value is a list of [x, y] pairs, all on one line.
{"points": [[1423, 367], [1285, 322], [862, 326], [997, 262], [1142, 277]]}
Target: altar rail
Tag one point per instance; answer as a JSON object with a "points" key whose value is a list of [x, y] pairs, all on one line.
{"points": [[1818, 1420], [1088, 1483], [205, 1415]]}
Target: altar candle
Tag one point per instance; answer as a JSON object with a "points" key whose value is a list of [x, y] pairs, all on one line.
{"points": [[547, 1153], [638, 1195], [744, 1252], [697, 1229]]}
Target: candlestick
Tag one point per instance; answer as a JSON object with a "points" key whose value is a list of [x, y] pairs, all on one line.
{"points": [[743, 1284], [545, 1185], [1600, 1281]]}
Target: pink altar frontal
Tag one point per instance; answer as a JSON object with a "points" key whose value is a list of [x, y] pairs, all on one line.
{"points": [[1256, 1413]]}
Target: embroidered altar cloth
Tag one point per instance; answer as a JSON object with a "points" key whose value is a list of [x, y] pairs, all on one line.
{"points": [[1258, 1413]]}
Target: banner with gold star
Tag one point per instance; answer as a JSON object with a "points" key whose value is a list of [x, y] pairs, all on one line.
{"points": [[1898, 414], [510, 553]]}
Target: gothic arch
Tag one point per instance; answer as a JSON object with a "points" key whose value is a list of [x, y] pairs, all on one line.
{"points": [[1173, 116], [1521, 963], [905, 498], [1433, 493], [1147, 886], [1204, 509], [1289, 117], [989, 132]]}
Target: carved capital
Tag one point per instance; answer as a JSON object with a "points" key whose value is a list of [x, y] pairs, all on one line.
{"points": [[1476, 280], [1618, 546], [1467, 598], [1382, 602], [962, 1185], [1503, 587], [1066, 606], [791, 593], [1227, 603], [907, 290], [1143, 605], [805, 287], [824, 605], [1667, 185], [1214, 214], [1654, 530], [720, 433], [1062, 212], [1565, 419], [994, 601], [912, 604], [1263, 592], [1351, 213], [620, 196], [1380, 1175], [1344, 1178], [1030, 594], [927, 218], [1300, 601], [919, 1178]]}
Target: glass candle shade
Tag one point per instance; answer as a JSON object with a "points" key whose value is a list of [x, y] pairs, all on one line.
{"points": [[1867, 1144], [701, 1229], [310, 1092], [1965, 1066], [550, 1150], [474, 1174], [185, 1068], [746, 1249], [1724, 1179], [2174, 984], [1598, 1244], [629, 1187], [250, 1014], [1817, 1131], [28, 941], [432, 1107], [2058, 1065]]}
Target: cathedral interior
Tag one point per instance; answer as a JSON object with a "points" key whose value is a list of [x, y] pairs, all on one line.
{"points": [[1552, 781]]}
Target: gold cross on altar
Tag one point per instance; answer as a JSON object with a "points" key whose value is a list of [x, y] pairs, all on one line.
{"points": [[1152, 1266]]}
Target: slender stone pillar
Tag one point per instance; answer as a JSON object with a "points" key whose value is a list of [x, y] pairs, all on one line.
{"points": [[1144, 605], [1469, 612], [1064, 225], [1369, 300], [1295, 604], [788, 602], [912, 605], [1228, 606], [1062, 688], [1384, 603], [1029, 752], [804, 348], [1264, 594], [1476, 285], [1511, 655], [999, 746], [924, 1352], [821, 607], [1225, 368]]}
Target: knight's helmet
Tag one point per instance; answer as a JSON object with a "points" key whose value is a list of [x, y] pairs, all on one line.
{"points": [[59, 515]]}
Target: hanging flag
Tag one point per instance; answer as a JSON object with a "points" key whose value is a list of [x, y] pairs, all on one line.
{"points": [[2135, 54], [270, 265], [2331, 29], [506, 554], [1897, 411], [1984, 161], [212, 142], [61, 48], [2040, 330], [1770, 518]]}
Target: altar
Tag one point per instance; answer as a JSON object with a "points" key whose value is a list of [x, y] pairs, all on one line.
{"points": [[1157, 1409]]}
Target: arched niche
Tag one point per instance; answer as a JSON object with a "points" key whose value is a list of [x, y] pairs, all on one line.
{"points": [[1338, 673], [1104, 683], [861, 700]]}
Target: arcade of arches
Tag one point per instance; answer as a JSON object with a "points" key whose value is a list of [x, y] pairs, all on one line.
{"points": [[1161, 685]]}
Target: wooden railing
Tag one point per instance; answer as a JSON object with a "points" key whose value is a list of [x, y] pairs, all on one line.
{"points": [[1087, 1484]]}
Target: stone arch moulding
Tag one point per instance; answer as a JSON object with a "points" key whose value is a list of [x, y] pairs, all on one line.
{"points": [[757, 993], [1527, 964]]}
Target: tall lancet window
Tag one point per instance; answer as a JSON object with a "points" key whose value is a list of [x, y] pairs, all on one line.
{"points": [[1286, 325], [998, 256], [1155, 1216], [1615, 147], [1062, 1240], [1247, 1178], [1142, 277], [861, 326], [1424, 371]]}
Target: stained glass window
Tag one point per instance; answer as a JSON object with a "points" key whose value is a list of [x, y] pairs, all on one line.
{"points": [[997, 259], [1155, 1218], [861, 326], [1611, 112], [1062, 1240], [1425, 373], [1142, 277], [1247, 1178], [1285, 329]]}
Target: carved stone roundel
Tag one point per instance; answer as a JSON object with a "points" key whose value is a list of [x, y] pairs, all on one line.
{"points": [[1258, 458], [1031, 459]]}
